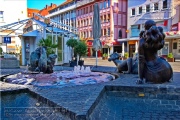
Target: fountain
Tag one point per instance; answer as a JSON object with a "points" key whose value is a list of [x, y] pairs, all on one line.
{"points": [[80, 75]]}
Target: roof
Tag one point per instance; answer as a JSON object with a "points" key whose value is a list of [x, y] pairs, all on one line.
{"points": [[45, 11], [32, 10], [33, 33], [64, 3]]}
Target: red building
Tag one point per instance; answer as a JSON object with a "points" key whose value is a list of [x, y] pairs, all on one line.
{"points": [[113, 16], [31, 11], [46, 10]]}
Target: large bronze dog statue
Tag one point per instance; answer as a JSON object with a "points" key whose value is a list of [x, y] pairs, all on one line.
{"points": [[128, 66]]}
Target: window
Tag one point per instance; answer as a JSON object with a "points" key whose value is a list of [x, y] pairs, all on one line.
{"points": [[90, 8], [1, 16], [175, 45], [164, 4], [135, 30], [133, 11], [108, 31], [156, 6], [104, 4], [109, 3], [147, 8], [87, 22], [140, 10], [90, 33], [100, 6], [120, 34]]}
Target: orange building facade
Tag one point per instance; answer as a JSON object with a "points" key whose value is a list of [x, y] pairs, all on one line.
{"points": [[46, 10], [31, 11]]}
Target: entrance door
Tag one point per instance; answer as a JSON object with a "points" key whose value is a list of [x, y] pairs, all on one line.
{"points": [[165, 49], [60, 49], [27, 52], [131, 50]]}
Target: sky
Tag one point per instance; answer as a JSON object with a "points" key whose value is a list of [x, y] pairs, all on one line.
{"points": [[40, 4]]}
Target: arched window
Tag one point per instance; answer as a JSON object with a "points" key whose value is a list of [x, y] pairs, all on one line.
{"points": [[120, 34]]}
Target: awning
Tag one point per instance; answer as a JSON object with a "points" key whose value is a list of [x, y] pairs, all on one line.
{"points": [[33, 33], [120, 40]]}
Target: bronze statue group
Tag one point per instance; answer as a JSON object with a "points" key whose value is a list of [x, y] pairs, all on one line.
{"points": [[147, 64]]}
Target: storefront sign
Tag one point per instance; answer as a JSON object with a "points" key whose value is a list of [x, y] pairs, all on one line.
{"points": [[175, 27]]}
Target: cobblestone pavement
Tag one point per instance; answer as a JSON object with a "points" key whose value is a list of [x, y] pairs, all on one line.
{"points": [[81, 99], [123, 108]]}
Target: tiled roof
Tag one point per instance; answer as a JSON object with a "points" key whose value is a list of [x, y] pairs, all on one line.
{"points": [[66, 2]]}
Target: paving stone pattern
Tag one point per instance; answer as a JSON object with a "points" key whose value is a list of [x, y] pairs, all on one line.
{"points": [[123, 108], [80, 99], [23, 106]]}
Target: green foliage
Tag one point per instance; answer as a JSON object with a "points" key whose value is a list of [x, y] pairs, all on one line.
{"points": [[72, 42], [105, 55], [1, 51], [48, 44], [81, 49], [170, 55], [126, 54]]}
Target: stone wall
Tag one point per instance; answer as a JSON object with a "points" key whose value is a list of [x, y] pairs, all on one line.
{"points": [[9, 63]]}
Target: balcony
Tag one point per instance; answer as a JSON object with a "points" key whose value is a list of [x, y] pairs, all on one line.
{"points": [[83, 2]]}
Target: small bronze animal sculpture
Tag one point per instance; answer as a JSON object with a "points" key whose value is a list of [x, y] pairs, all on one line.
{"points": [[39, 62], [128, 66], [151, 67]]}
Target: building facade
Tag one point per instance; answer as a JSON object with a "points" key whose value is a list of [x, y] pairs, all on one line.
{"points": [[17, 12], [113, 15], [173, 35], [65, 13], [31, 11], [46, 9], [161, 11]]}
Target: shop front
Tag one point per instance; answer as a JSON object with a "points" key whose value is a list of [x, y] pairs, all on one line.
{"points": [[132, 46], [172, 41], [91, 52]]}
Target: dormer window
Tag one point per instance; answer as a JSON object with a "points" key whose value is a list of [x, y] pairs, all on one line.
{"points": [[156, 6], [165, 4], [140, 10], [147, 8], [133, 12], [1, 16]]}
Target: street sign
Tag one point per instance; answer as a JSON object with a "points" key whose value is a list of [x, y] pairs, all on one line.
{"points": [[7, 39]]}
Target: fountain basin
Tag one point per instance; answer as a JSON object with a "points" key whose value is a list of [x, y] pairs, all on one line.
{"points": [[60, 78]]}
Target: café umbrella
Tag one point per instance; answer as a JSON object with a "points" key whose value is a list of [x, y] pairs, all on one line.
{"points": [[97, 45]]}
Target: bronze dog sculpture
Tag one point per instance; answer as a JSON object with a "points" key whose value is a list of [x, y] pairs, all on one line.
{"points": [[128, 66]]}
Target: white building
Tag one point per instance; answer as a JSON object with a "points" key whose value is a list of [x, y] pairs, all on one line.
{"points": [[11, 11], [65, 14], [139, 11]]}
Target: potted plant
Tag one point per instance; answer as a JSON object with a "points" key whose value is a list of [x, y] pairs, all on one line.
{"points": [[170, 57], [126, 55], [81, 50], [104, 56], [72, 43]]}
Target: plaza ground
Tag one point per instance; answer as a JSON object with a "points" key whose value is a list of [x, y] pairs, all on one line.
{"points": [[79, 100]]}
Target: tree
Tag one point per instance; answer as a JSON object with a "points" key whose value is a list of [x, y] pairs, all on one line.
{"points": [[80, 49], [72, 43], [49, 45], [1, 51]]}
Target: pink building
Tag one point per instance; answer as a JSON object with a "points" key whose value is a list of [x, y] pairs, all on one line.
{"points": [[113, 15]]}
